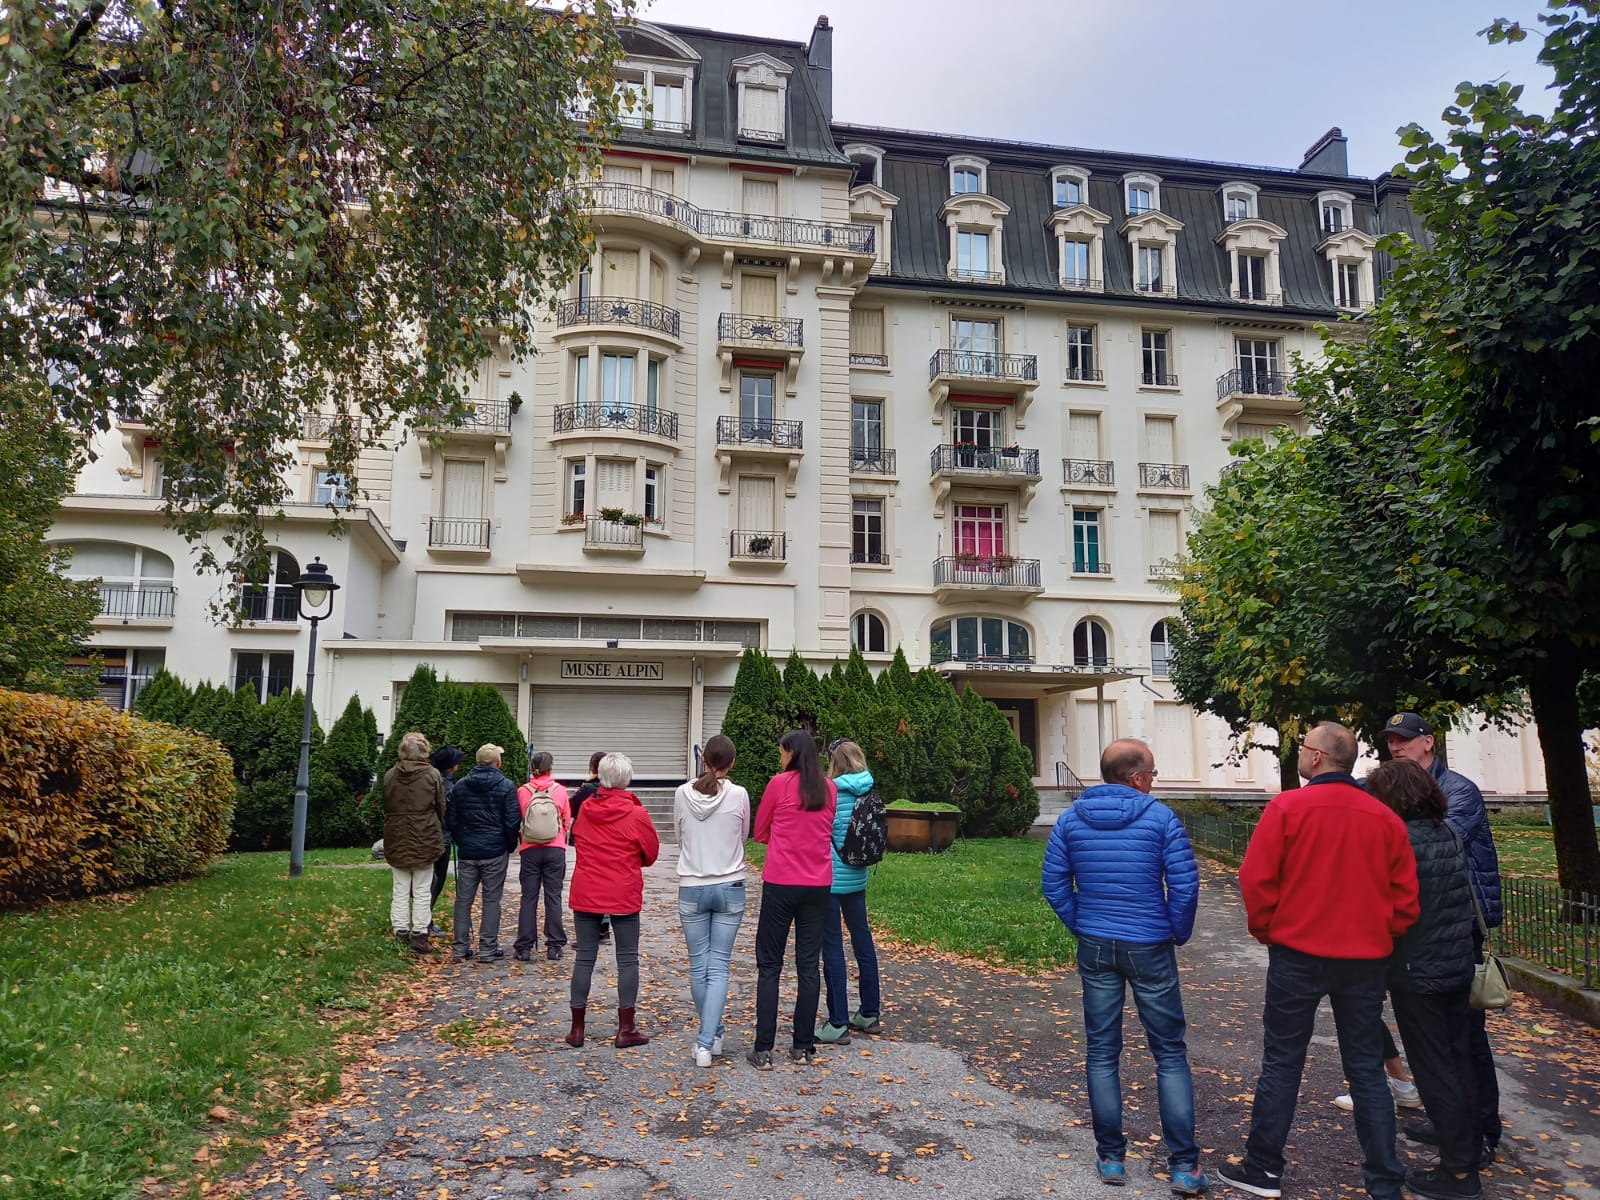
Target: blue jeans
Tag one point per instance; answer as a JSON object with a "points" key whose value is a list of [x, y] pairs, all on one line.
{"points": [[1296, 984], [711, 916], [852, 907], [1151, 969]]}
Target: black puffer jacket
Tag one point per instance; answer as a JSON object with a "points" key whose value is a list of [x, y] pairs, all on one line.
{"points": [[1436, 954], [484, 815]]}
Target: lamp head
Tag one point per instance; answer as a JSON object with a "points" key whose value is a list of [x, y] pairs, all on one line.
{"points": [[316, 588]]}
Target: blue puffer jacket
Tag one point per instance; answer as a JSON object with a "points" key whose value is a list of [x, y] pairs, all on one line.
{"points": [[1465, 813], [1119, 866], [851, 787]]}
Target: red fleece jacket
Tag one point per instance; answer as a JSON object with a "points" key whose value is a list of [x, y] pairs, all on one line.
{"points": [[1330, 872]]}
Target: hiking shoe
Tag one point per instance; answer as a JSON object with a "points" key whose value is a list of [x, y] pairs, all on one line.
{"points": [[1112, 1173], [1251, 1179], [463, 956], [702, 1056], [716, 1046], [834, 1035], [1404, 1092], [1437, 1183], [865, 1022], [761, 1060], [1425, 1132], [434, 930], [491, 955], [522, 955], [552, 952], [1190, 1183], [802, 1054]]}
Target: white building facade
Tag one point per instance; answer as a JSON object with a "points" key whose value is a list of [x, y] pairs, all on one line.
{"points": [[821, 386]]}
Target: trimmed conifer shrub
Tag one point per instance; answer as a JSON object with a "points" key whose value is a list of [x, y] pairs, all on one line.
{"points": [[755, 721], [341, 773], [165, 698], [479, 714]]}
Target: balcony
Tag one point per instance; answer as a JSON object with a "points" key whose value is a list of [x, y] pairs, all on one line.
{"points": [[644, 315], [614, 535], [1088, 472], [1165, 569], [872, 460], [619, 419], [777, 443], [778, 341], [481, 421], [1011, 377], [279, 602], [1164, 477], [1267, 395], [995, 575], [127, 603], [321, 427], [983, 466], [459, 534], [1248, 297], [758, 546]]}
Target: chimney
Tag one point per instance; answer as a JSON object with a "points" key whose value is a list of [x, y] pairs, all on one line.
{"points": [[819, 63], [1327, 155]]}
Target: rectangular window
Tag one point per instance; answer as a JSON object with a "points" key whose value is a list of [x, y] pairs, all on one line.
{"points": [[1252, 277], [974, 337], [757, 503], [547, 627], [1086, 541], [652, 384], [1074, 263], [760, 196], [1160, 440], [611, 627], [1069, 191], [613, 478], [576, 484], [616, 382], [980, 427], [866, 533], [758, 295], [666, 103], [866, 430], [744, 633], [1084, 436], [671, 629], [1236, 207], [980, 529], [866, 336], [663, 180], [617, 173], [1150, 278], [964, 180], [1257, 360], [585, 283], [654, 510], [1333, 218], [1157, 359], [463, 490], [1164, 540], [332, 488], [760, 115], [580, 381], [1080, 352], [469, 627], [756, 399], [266, 674], [972, 253], [1347, 278], [1139, 200], [619, 273]]}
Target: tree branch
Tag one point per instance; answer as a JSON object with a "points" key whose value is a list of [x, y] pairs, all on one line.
{"points": [[85, 26]]}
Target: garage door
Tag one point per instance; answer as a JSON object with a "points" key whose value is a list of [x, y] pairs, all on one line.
{"points": [[716, 707], [649, 725]]}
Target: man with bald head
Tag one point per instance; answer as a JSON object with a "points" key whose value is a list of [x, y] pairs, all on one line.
{"points": [[1329, 882], [1121, 875]]}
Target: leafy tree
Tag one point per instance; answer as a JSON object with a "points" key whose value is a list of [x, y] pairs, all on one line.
{"points": [[341, 771], [47, 618], [481, 717], [165, 698], [196, 200], [754, 721]]}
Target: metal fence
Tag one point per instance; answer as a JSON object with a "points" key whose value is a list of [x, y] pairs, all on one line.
{"points": [[1220, 835]]}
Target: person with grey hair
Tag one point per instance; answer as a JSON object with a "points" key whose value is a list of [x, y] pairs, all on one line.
{"points": [[413, 838], [618, 841], [484, 821]]}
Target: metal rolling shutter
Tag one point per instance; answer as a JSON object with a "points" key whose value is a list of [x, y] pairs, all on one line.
{"points": [[716, 707], [649, 725]]}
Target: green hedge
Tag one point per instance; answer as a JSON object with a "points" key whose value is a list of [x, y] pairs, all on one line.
{"points": [[95, 800]]}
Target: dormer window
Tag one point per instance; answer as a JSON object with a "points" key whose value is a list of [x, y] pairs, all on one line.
{"points": [[975, 221], [763, 86], [1069, 186], [1335, 212], [868, 162], [1238, 202], [1252, 245], [968, 176], [656, 80], [1142, 194], [1347, 250]]}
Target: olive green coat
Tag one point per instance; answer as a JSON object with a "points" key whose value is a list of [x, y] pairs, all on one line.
{"points": [[413, 816]]}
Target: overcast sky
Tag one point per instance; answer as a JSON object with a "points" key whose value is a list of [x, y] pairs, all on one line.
{"points": [[1251, 81]]}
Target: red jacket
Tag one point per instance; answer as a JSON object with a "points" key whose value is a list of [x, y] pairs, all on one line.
{"points": [[1330, 872], [619, 841]]}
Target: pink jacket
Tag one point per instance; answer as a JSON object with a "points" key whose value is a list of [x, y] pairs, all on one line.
{"points": [[799, 843], [559, 795]]}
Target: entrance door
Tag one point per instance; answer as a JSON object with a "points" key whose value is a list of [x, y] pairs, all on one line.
{"points": [[1086, 745], [649, 725]]}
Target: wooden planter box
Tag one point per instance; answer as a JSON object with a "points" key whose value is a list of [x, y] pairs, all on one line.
{"points": [[911, 831]]}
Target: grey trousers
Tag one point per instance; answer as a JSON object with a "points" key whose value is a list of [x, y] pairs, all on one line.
{"points": [[470, 872], [543, 869], [625, 928]]}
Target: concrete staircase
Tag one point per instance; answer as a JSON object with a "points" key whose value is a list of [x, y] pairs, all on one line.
{"points": [[658, 803]]}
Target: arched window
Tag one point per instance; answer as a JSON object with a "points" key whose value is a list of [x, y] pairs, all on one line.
{"points": [[1160, 651], [135, 583], [275, 599], [979, 639], [867, 633], [1091, 645]]}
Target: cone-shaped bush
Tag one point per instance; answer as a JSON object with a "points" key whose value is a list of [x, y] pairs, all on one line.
{"points": [[755, 721], [341, 770], [165, 698], [482, 716], [265, 807]]}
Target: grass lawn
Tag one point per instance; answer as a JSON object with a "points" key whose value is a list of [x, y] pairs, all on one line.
{"points": [[127, 1018], [1526, 850]]}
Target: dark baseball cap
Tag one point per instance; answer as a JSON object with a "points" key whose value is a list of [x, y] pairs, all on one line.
{"points": [[1406, 725]]}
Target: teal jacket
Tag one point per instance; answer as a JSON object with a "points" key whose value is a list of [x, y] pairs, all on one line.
{"points": [[851, 787]]}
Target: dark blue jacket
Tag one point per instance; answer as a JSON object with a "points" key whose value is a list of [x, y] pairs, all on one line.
{"points": [[1119, 866], [483, 814], [1466, 814], [1436, 953]]}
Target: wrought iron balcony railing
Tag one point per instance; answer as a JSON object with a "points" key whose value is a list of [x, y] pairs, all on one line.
{"points": [[868, 360], [479, 416], [1096, 472], [280, 602], [1164, 475], [601, 534], [772, 331], [1165, 569], [616, 418], [984, 364], [147, 602], [763, 544], [997, 571], [618, 310], [1085, 375], [754, 431], [871, 558], [1246, 381], [1156, 379], [1090, 566], [975, 275], [460, 533], [989, 460], [1156, 288], [630, 199], [1074, 283], [976, 659], [871, 460], [320, 427]]}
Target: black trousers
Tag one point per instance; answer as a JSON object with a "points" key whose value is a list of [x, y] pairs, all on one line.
{"points": [[1481, 1056], [441, 872], [806, 909], [1435, 1027]]}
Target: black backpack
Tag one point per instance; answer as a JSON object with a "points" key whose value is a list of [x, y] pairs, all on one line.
{"points": [[867, 836]]}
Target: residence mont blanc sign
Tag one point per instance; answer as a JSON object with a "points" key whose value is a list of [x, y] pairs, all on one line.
{"points": [[579, 669]]}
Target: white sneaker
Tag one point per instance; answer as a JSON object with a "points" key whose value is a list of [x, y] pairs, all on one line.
{"points": [[1346, 1102], [702, 1056], [1404, 1092], [716, 1046]]}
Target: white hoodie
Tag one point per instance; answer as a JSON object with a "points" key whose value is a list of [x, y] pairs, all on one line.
{"points": [[711, 834]]}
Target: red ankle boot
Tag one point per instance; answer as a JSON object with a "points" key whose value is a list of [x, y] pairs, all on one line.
{"points": [[627, 1034], [575, 1034]]}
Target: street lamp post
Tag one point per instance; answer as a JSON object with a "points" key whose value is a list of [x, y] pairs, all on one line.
{"points": [[316, 588]]}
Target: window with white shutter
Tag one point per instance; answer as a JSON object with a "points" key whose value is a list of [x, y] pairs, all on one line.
{"points": [[1164, 540], [1160, 442], [617, 173], [619, 273], [463, 488], [760, 196], [613, 484], [761, 115], [758, 295], [1085, 435], [757, 502], [866, 336]]}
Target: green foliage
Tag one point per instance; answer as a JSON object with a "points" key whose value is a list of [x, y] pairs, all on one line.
{"points": [[478, 714], [165, 698], [224, 254], [755, 721], [803, 695], [998, 798], [47, 618], [414, 715], [341, 772], [264, 810]]}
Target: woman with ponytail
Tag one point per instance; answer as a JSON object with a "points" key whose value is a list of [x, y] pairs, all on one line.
{"points": [[713, 818], [795, 820]]}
